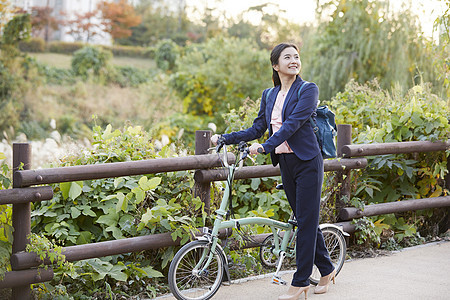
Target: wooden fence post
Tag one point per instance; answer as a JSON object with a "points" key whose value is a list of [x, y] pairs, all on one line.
{"points": [[21, 214], [344, 137], [203, 189]]}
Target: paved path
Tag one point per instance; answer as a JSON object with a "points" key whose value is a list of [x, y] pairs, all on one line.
{"points": [[421, 272]]}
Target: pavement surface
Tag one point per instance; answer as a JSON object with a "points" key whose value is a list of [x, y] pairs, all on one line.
{"points": [[420, 272]]}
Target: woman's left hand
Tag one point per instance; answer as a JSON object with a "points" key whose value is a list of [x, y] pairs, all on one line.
{"points": [[254, 148]]}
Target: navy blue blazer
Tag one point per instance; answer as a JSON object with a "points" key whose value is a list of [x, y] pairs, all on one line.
{"points": [[296, 129]]}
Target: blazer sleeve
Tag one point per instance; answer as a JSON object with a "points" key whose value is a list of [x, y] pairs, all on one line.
{"points": [[301, 113], [257, 130]]}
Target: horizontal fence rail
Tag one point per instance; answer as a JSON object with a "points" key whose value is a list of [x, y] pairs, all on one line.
{"points": [[269, 170], [15, 279], [349, 213], [118, 169], [25, 195], [26, 260], [394, 148]]}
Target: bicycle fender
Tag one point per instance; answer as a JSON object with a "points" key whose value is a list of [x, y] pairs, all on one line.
{"points": [[324, 225], [227, 276]]}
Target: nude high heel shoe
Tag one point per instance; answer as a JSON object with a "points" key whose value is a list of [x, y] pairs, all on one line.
{"points": [[324, 282], [294, 293]]}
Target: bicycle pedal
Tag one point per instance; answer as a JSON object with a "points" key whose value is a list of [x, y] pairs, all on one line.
{"points": [[277, 280]]}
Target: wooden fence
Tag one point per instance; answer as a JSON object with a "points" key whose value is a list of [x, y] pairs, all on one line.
{"points": [[25, 265]]}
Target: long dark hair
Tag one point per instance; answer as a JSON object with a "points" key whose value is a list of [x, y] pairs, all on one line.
{"points": [[275, 56]]}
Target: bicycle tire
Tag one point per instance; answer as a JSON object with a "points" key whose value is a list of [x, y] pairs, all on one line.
{"points": [[184, 283], [337, 249]]}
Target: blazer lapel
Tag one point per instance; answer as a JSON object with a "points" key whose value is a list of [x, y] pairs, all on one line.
{"points": [[290, 96], [270, 104]]}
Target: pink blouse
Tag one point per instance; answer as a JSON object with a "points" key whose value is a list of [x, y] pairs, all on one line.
{"points": [[276, 122]]}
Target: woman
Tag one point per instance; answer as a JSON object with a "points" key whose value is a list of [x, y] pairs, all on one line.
{"points": [[293, 144]]}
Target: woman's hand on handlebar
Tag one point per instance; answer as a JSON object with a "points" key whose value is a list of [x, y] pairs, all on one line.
{"points": [[255, 147], [215, 138]]}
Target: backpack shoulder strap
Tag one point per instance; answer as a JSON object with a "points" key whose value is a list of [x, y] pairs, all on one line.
{"points": [[301, 87], [311, 120]]}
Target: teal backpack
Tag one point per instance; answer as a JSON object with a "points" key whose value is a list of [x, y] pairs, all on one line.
{"points": [[324, 127]]}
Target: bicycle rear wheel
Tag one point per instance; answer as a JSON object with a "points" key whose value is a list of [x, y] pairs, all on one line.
{"points": [[268, 259], [185, 282], [337, 248]]}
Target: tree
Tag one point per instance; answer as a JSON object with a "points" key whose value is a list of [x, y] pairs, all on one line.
{"points": [[363, 41], [42, 20], [82, 26], [160, 21], [5, 13], [442, 50], [118, 18]]}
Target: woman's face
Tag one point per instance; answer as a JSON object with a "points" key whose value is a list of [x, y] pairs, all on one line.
{"points": [[289, 62]]}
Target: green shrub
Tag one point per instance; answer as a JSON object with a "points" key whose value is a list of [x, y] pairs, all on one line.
{"points": [[6, 229], [114, 208], [116, 50], [166, 55], [129, 76], [129, 51], [32, 45], [379, 117], [150, 52], [219, 75], [65, 47], [91, 61]]}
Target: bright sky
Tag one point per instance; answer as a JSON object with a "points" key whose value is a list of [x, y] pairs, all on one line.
{"points": [[304, 11]]}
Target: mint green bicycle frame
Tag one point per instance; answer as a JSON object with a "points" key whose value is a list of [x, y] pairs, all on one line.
{"points": [[219, 222]]}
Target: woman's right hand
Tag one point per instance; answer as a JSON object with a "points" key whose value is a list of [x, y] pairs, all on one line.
{"points": [[214, 139]]}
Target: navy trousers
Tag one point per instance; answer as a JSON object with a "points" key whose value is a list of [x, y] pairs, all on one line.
{"points": [[302, 182]]}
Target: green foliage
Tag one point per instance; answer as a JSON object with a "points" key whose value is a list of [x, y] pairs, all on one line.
{"points": [[8, 89], [32, 45], [116, 50], [6, 230], [166, 55], [441, 51], [218, 75], [114, 208], [91, 62], [65, 47], [363, 40], [129, 76], [379, 117], [130, 51], [16, 30]]}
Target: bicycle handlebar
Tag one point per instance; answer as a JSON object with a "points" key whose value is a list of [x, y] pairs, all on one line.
{"points": [[243, 152]]}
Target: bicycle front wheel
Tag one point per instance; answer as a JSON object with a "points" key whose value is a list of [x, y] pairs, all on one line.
{"points": [[337, 249], [186, 282]]}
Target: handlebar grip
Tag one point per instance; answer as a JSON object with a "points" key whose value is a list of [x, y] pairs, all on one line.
{"points": [[260, 150]]}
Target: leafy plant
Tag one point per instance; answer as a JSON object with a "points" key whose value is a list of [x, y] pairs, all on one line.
{"points": [[91, 62], [114, 208], [166, 55], [6, 229], [377, 116], [217, 76], [363, 40]]}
